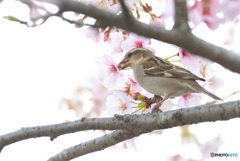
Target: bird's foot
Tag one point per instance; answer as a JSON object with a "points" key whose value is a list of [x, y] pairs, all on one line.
{"points": [[147, 102], [156, 109], [159, 100]]}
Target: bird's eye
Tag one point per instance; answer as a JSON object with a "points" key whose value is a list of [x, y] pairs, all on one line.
{"points": [[129, 55]]}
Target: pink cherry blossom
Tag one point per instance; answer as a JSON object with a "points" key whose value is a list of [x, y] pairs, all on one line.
{"points": [[215, 82], [115, 41], [135, 41], [205, 11], [93, 33], [108, 72], [168, 10], [231, 9], [118, 103], [196, 64], [189, 100], [99, 94]]}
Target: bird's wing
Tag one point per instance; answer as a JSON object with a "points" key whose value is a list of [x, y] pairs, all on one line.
{"points": [[158, 67]]}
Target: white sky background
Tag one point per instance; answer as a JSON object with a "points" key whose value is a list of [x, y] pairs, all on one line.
{"points": [[39, 66]]}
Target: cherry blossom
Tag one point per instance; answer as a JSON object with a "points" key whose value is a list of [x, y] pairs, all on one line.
{"points": [[168, 10], [231, 9], [189, 100], [202, 68], [115, 41], [215, 82], [118, 103], [99, 93], [196, 64], [205, 11], [135, 41], [109, 73], [93, 33]]}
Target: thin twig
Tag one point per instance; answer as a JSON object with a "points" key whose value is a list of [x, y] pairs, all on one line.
{"points": [[44, 18], [79, 23]]}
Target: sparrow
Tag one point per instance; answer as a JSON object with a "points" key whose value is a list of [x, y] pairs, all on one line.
{"points": [[160, 77]]}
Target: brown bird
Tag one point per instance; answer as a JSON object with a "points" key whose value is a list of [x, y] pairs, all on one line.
{"points": [[160, 77]]}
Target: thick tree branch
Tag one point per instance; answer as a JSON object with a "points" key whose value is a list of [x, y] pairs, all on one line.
{"points": [[145, 122], [188, 41], [156, 121]]}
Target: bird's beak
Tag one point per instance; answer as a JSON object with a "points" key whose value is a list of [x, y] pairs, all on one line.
{"points": [[123, 64]]}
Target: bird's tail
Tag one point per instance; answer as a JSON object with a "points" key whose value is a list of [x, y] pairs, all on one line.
{"points": [[211, 95]]}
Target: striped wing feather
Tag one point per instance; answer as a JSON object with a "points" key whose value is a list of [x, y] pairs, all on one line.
{"points": [[158, 67]]}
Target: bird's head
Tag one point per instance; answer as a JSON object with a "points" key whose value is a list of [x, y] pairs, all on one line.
{"points": [[134, 57]]}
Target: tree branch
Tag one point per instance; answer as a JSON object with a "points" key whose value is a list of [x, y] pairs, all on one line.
{"points": [[189, 42], [181, 15], [125, 9], [156, 121], [145, 122], [94, 145]]}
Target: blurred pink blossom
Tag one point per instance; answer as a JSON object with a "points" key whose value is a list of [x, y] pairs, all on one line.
{"points": [[231, 9], [203, 68], [118, 103], [93, 33], [167, 12], [168, 9], [196, 64], [108, 72], [215, 82], [189, 100], [99, 94], [115, 41], [135, 41], [205, 11]]}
